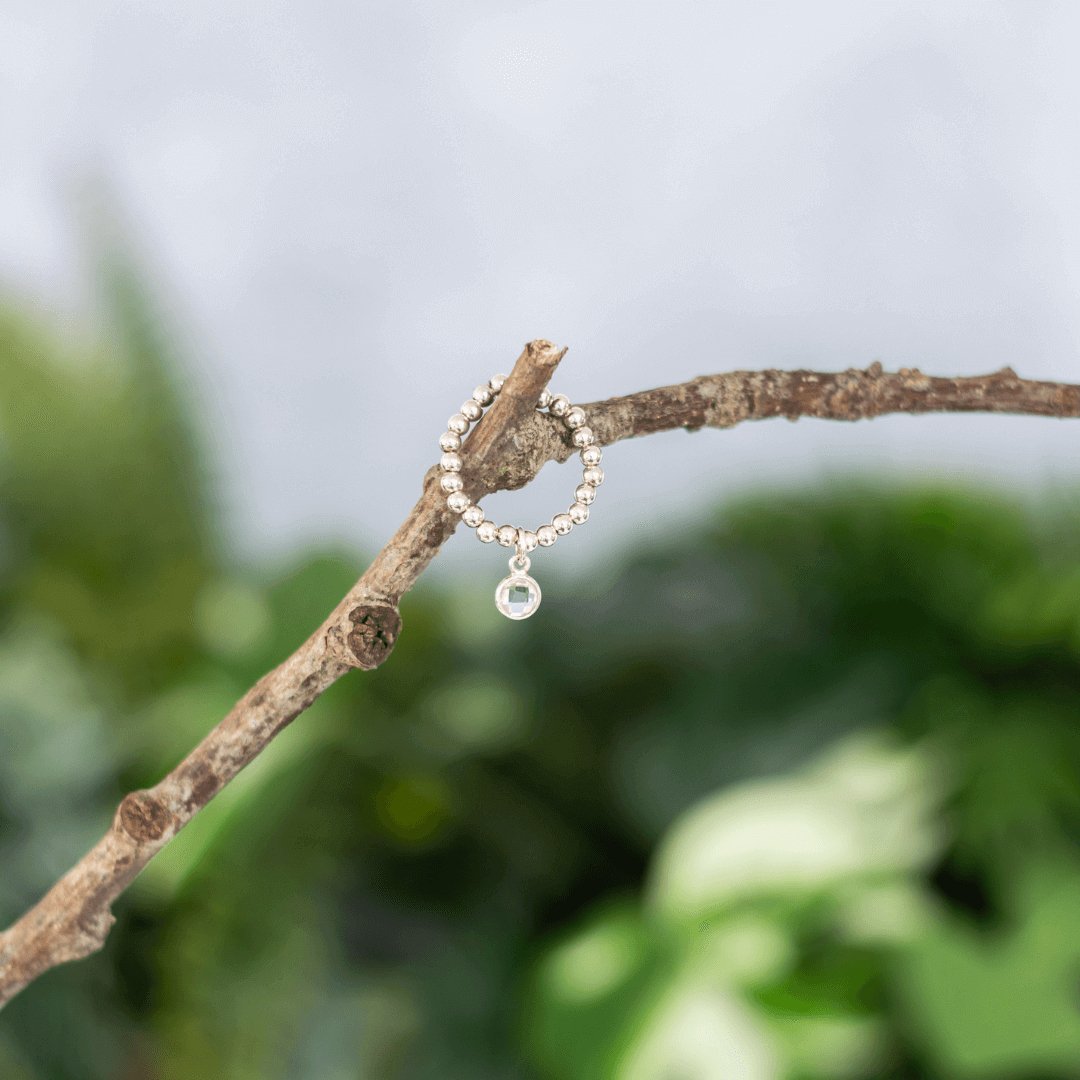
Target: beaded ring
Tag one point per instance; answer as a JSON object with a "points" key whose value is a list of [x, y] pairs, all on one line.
{"points": [[518, 595]]}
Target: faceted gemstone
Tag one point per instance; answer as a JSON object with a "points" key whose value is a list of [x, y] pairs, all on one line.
{"points": [[517, 596]]}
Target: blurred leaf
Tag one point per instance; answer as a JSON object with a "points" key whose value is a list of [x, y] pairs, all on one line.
{"points": [[865, 810], [591, 993], [704, 1033], [1003, 1003]]}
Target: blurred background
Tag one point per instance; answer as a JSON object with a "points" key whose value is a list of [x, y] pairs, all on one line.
{"points": [[783, 781]]}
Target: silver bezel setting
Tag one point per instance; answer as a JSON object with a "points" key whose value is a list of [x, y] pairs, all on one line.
{"points": [[513, 579]]}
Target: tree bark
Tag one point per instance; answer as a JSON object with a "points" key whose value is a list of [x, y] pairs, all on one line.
{"points": [[506, 450]]}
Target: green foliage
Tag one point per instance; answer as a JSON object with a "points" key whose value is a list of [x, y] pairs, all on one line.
{"points": [[799, 803], [104, 525], [1002, 1001]]}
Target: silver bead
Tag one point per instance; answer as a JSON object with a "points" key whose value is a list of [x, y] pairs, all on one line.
{"points": [[584, 436], [562, 523], [458, 424], [470, 410], [585, 493], [546, 536], [458, 501], [496, 383], [526, 540], [485, 532], [472, 516], [451, 482], [544, 400], [507, 535], [560, 405], [579, 513], [575, 418], [450, 463], [482, 395], [449, 442], [593, 475], [591, 455]]}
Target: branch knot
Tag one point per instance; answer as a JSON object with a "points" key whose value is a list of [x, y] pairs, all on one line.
{"points": [[375, 629], [143, 817]]}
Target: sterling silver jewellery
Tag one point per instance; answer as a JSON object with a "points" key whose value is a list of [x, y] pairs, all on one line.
{"points": [[517, 596]]}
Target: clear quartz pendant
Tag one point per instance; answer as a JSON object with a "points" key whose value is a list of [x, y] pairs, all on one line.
{"points": [[518, 595]]}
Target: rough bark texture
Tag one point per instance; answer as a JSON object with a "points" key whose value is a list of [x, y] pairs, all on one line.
{"points": [[506, 450]]}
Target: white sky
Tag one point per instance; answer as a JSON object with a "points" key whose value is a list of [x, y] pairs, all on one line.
{"points": [[357, 211]]}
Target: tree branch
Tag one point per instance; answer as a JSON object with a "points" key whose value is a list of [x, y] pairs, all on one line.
{"points": [[508, 448]]}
